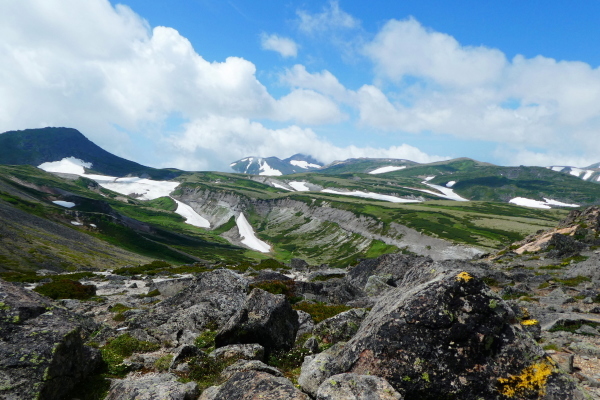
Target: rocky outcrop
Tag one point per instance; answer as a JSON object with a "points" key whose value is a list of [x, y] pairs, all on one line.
{"points": [[266, 319], [211, 300], [152, 387], [447, 338], [42, 355], [251, 385], [357, 387]]}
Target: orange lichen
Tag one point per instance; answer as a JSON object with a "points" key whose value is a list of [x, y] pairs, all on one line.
{"points": [[531, 381], [464, 277]]}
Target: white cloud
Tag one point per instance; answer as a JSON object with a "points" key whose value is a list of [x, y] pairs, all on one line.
{"points": [[324, 82], [309, 107], [228, 139], [284, 46], [332, 17]]}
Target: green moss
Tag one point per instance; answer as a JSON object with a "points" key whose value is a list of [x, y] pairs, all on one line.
{"points": [[287, 288], [206, 340], [163, 363], [116, 350]]}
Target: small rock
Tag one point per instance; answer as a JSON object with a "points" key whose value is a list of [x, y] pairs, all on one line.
{"points": [[133, 286], [587, 330], [306, 324], [182, 353], [312, 344], [584, 348], [340, 327], [564, 360], [595, 310]]}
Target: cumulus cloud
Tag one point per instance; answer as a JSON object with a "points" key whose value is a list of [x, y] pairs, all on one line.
{"points": [[286, 47], [229, 139], [332, 17]]}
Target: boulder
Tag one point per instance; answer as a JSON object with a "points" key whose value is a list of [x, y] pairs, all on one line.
{"points": [[450, 337], [357, 387], [306, 324], [42, 355], [211, 300], [266, 276], [393, 266], [562, 246], [340, 327], [264, 318], [151, 387], [170, 287], [251, 385], [378, 284], [251, 351]]}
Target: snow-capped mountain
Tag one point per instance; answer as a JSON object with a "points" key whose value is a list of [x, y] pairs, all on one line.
{"points": [[273, 166]]}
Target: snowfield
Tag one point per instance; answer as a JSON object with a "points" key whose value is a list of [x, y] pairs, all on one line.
{"points": [[144, 189], [248, 236], [369, 195], [304, 164], [546, 204], [383, 170], [299, 186], [450, 184], [191, 216], [68, 165], [66, 204]]}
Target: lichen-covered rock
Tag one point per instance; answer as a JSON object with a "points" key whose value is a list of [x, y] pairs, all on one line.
{"points": [[211, 300], [42, 355], [393, 266], [448, 338], [170, 287], [152, 387], [378, 284], [340, 327], [306, 324], [252, 351], [315, 369], [356, 387], [254, 385], [252, 365], [266, 319]]}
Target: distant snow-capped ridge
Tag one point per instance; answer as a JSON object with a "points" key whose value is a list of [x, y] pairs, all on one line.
{"points": [[273, 166], [591, 173]]}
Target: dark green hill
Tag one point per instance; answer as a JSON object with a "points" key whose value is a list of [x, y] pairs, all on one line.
{"points": [[36, 146]]}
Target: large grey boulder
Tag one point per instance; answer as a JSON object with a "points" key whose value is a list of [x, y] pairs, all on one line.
{"points": [[448, 338], [253, 385], [340, 327], [213, 298], [357, 387], [252, 365], [42, 355], [170, 287], [152, 387], [266, 319]]}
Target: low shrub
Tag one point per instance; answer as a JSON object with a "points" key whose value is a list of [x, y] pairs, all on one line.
{"points": [[66, 289], [121, 347], [287, 288]]}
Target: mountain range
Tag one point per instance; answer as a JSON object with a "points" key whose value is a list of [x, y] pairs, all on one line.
{"points": [[65, 202]]}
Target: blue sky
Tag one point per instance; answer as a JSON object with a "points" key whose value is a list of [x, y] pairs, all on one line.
{"points": [[197, 84]]}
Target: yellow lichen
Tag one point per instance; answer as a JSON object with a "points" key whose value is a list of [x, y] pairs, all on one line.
{"points": [[530, 322], [531, 381], [464, 277]]}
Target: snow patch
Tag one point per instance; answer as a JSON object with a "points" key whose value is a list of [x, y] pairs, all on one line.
{"points": [[304, 164], [558, 203], [265, 169], [66, 204], [278, 186], [427, 179], [576, 171], [191, 216], [370, 195], [76, 223], [248, 236], [446, 193], [557, 169], [383, 170], [68, 165], [299, 186], [587, 175], [450, 184], [93, 225], [546, 204], [144, 189]]}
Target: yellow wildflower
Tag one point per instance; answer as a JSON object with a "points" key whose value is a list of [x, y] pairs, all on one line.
{"points": [[464, 277]]}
